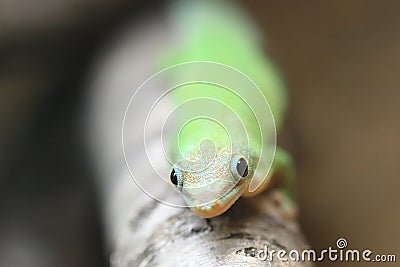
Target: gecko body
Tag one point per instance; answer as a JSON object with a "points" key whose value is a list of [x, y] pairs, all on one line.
{"points": [[213, 167]]}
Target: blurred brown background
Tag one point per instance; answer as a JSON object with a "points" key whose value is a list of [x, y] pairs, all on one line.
{"points": [[341, 62]]}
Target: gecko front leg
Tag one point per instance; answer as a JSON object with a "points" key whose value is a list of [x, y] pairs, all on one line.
{"points": [[280, 182]]}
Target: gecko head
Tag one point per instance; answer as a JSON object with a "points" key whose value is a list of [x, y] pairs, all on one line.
{"points": [[213, 182]]}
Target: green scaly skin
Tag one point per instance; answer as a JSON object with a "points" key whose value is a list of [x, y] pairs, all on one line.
{"points": [[216, 31]]}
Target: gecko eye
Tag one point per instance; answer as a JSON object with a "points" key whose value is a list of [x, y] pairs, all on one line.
{"points": [[175, 178], [242, 168]]}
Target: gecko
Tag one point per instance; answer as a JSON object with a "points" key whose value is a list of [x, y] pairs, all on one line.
{"points": [[219, 31]]}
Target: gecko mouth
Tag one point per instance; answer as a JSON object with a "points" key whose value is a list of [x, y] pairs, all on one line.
{"points": [[218, 206]]}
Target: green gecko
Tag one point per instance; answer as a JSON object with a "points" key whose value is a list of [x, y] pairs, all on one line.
{"points": [[217, 31]]}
